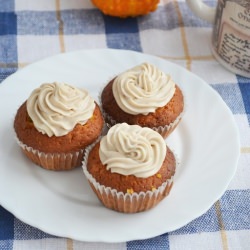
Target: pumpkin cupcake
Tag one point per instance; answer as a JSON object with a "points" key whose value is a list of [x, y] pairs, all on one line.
{"points": [[130, 169], [144, 96], [55, 125]]}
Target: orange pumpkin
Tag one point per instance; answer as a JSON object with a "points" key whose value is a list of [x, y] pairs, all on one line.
{"points": [[126, 8]]}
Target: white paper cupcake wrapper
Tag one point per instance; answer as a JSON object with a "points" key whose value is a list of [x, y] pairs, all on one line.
{"points": [[126, 203], [163, 130], [53, 161]]}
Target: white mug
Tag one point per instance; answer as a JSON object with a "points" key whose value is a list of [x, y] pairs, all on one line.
{"points": [[231, 32]]}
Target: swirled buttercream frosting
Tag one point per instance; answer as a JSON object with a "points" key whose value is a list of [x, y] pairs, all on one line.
{"points": [[56, 108], [143, 89], [132, 150]]}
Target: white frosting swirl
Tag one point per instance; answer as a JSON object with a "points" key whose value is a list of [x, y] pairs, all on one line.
{"points": [[132, 150], [143, 89], [56, 108]]}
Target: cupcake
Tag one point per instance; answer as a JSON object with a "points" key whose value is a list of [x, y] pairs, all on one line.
{"points": [[55, 125], [144, 96], [130, 169]]}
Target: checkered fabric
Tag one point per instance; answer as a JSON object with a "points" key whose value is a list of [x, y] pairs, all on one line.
{"points": [[32, 30]]}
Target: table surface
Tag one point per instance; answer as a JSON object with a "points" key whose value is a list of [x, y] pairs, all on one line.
{"points": [[34, 30]]}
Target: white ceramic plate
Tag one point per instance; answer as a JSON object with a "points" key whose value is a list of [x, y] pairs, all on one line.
{"points": [[62, 203]]}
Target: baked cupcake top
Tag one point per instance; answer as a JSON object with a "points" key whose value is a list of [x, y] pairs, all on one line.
{"points": [[143, 89], [56, 108], [132, 150]]}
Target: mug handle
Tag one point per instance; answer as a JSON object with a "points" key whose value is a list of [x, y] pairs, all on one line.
{"points": [[202, 10]]}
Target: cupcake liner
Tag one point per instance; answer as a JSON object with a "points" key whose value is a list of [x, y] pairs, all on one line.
{"points": [[53, 161], [164, 131], [126, 203]]}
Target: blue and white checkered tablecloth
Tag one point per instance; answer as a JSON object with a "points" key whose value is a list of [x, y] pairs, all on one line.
{"points": [[32, 30]]}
